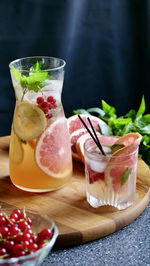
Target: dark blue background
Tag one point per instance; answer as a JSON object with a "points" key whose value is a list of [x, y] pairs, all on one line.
{"points": [[105, 43]]}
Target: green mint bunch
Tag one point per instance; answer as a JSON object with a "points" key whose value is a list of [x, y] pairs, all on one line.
{"points": [[36, 79], [131, 122]]}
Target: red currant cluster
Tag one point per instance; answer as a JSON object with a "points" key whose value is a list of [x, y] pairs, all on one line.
{"points": [[47, 105], [16, 235]]}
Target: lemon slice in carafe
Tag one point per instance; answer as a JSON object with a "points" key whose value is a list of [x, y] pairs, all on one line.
{"points": [[29, 120]]}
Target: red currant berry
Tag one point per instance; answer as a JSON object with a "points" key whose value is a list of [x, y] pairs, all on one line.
{"points": [[17, 250], [44, 105], [45, 110], [48, 116], [35, 238], [33, 246], [54, 105], [45, 234], [2, 220], [40, 100], [25, 244], [29, 231], [40, 243], [12, 221], [19, 237], [23, 225], [26, 236], [22, 215], [14, 230], [14, 216], [3, 251], [50, 105], [50, 99], [9, 245], [17, 211], [31, 240], [4, 231], [29, 221]]}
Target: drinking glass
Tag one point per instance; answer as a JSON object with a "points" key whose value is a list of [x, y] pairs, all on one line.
{"points": [[110, 178], [40, 156]]}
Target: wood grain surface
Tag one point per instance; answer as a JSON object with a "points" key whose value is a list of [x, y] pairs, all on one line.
{"points": [[77, 221]]}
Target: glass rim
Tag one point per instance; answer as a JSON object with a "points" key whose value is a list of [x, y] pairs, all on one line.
{"points": [[40, 57], [100, 155]]}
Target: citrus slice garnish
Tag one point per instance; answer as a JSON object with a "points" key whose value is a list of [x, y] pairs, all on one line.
{"points": [[122, 162], [15, 149], [29, 120], [129, 138], [53, 152]]}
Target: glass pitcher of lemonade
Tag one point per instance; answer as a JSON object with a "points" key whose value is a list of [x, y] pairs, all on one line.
{"points": [[40, 156]]}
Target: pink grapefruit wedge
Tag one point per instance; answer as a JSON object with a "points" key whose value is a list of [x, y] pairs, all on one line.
{"points": [[130, 138], [74, 122], [53, 154]]}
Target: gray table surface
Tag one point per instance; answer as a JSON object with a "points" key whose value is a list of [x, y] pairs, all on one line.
{"points": [[128, 246]]}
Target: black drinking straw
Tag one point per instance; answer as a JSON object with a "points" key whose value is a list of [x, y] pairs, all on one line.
{"points": [[96, 140]]}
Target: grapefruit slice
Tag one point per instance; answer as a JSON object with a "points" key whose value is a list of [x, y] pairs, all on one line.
{"points": [[15, 150], [29, 120], [53, 153], [122, 163], [73, 139], [104, 140], [130, 138], [74, 122]]}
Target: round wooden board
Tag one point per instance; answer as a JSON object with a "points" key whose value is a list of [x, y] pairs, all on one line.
{"points": [[77, 221]]}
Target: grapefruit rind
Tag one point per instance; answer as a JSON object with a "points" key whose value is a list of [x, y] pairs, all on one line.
{"points": [[74, 136], [29, 120], [48, 132], [80, 145]]}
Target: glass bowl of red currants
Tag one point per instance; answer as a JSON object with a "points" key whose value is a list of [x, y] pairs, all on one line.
{"points": [[26, 237]]}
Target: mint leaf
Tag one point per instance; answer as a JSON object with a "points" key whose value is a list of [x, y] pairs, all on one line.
{"points": [[96, 110], [36, 79], [118, 124], [109, 111], [116, 147], [105, 129], [131, 114], [128, 128], [141, 108], [80, 111], [16, 74], [124, 177], [146, 141], [36, 67], [143, 124]]}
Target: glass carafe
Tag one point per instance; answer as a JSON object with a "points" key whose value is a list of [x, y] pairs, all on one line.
{"points": [[40, 156]]}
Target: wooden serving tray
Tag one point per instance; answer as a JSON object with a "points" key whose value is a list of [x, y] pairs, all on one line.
{"points": [[77, 221]]}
